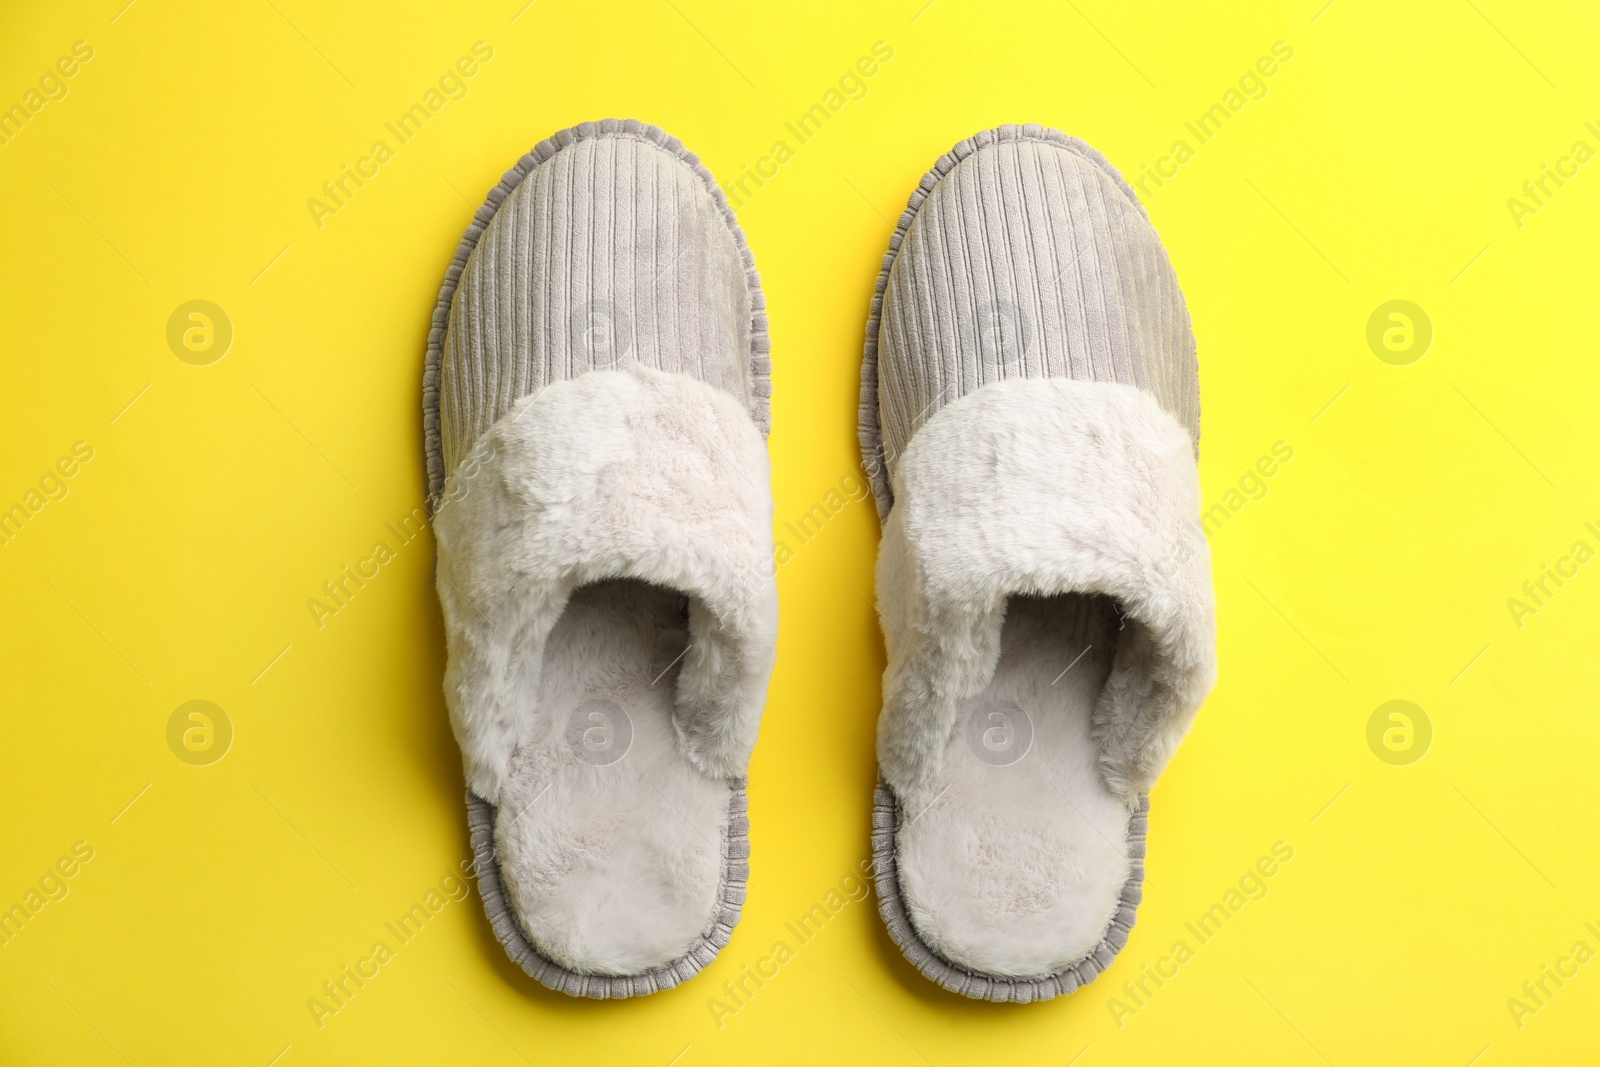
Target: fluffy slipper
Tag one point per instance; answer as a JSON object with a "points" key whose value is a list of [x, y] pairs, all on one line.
{"points": [[1030, 421], [595, 410]]}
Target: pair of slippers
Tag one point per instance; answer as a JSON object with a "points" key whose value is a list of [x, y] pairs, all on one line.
{"points": [[596, 403]]}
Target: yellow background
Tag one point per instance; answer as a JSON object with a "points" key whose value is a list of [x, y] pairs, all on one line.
{"points": [[1377, 567]]}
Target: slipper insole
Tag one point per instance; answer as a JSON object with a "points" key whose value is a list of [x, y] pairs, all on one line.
{"points": [[610, 840], [1012, 859]]}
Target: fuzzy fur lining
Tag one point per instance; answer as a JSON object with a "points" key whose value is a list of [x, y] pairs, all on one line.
{"points": [[1043, 487], [616, 474]]}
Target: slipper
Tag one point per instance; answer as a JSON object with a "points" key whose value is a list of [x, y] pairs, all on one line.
{"points": [[596, 402], [1030, 422]]}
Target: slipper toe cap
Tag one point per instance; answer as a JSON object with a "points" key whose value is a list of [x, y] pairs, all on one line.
{"points": [[1028, 257], [612, 250]]}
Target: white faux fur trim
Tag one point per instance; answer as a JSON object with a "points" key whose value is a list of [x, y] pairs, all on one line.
{"points": [[1045, 486], [616, 474]]}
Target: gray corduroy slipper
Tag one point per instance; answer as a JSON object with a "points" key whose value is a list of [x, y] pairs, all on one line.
{"points": [[1030, 422], [595, 410]]}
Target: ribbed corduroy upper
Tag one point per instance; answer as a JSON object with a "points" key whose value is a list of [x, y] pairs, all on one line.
{"points": [[611, 250], [1026, 256]]}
